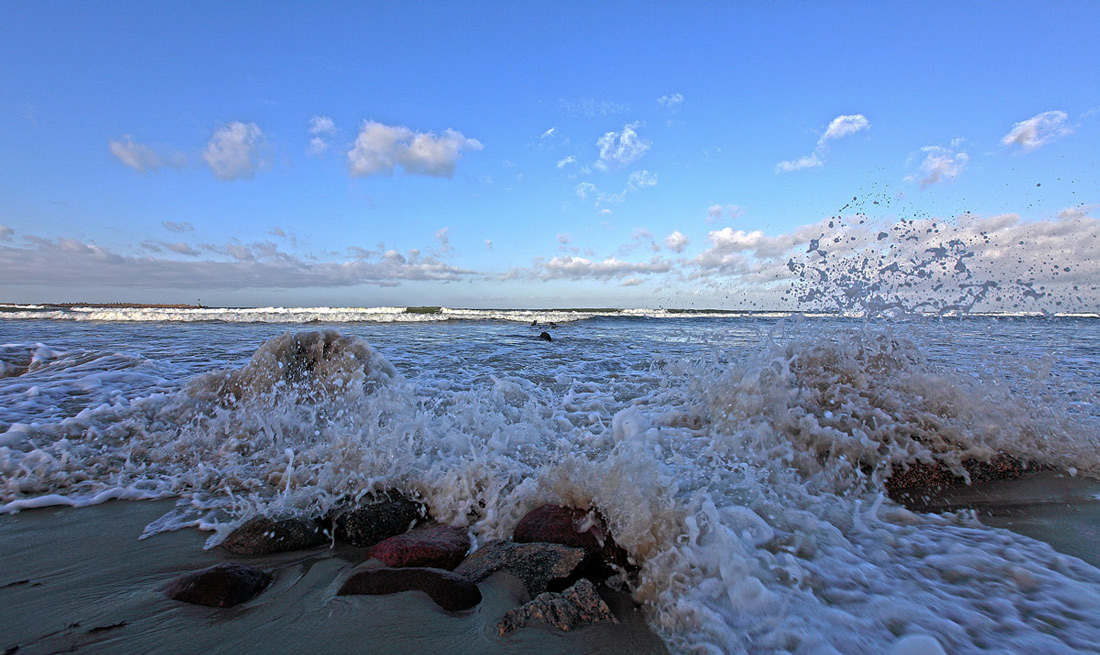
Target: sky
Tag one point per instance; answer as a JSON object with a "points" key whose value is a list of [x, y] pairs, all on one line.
{"points": [[682, 155]]}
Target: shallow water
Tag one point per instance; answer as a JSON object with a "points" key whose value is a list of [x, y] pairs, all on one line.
{"points": [[740, 460]]}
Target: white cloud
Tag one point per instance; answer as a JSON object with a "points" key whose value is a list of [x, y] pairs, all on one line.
{"points": [[632, 282], [549, 133], [940, 165], [590, 107], [181, 248], [135, 155], [1038, 130], [321, 127], [1076, 212], [233, 152], [489, 244], [671, 101], [443, 236], [809, 161], [379, 149], [6, 233], [676, 241], [715, 212], [604, 212], [565, 239], [843, 126], [562, 163], [643, 178], [618, 149], [577, 268], [178, 228], [840, 127], [584, 188]]}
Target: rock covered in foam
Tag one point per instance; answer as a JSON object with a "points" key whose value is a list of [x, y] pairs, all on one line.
{"points": [[315, 363], [577, 606], [450, 591], [922, 477], [261, 535], [573, 527], [223, 585], [385, 516], [437, 546], [539, 566]]}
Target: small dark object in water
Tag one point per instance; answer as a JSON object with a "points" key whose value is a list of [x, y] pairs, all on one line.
{"points": [[545, 336], [450, 591], [534, 323], [223, 585]]}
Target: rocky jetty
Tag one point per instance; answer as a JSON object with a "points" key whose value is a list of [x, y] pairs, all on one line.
{"points": [[223, 585], [576, 528], [915, 483], [384, 516]]}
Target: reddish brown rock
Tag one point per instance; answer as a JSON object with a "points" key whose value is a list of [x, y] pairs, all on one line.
{"points": [[386, 515], [450, 591], [577, 606], [264, 536], [572, 527], [914, 484], [539, 566], [436, 546], [224, 585]]}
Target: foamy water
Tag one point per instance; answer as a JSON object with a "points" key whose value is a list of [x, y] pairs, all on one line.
{"points": [[739, 459]]}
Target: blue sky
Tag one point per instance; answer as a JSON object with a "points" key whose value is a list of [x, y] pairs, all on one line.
{"points": [[500, 154]]}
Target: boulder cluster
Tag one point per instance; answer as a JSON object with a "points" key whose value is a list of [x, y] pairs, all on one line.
{"points": [[556, 552]]}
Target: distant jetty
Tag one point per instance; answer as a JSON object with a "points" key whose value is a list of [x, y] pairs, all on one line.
{"points": [[119, 305]]}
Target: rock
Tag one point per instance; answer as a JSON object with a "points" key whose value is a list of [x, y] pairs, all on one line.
{"points": [[545, 336], [577, 606], [437, 546], [387, 515], [224, 585], [539, 566], [450, 591], [920, 478], [263, 536], [562, 525]]}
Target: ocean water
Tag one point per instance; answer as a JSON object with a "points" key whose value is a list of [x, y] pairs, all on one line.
{"points": [[740, 459]]}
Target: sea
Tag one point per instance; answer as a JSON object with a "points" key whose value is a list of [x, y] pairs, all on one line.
{"points": [[741, 458]]}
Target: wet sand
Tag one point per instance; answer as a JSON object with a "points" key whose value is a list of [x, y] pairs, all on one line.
{"points": [[80, 580]]}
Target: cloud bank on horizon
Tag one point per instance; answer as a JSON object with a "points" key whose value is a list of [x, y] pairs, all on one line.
{"points": [[342, 170]]}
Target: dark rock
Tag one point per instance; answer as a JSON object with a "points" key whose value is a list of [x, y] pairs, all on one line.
{"points": [[436, 546], [264, 536], [387, 515], [919, 479], [577, 606], [450, 591], [560, 525], [539, 566], [224, 585], [545, 336]]}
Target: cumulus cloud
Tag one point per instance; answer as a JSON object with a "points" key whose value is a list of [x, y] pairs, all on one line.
{"points": [[1038, 130], [671, 101], [578, 268], [643, 178], [178, 228], [136, 155], [562, 163], [321, 129], [379, 149], [584, 188], [840, 127], [676, 242], [618, 149], [940, 165], [181, 248], [234, 152], [443, 236]]}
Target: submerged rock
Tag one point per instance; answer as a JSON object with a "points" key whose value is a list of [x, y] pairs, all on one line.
{"points": [[913, 483], [387, 515], [223, 585], [436, 546], [539, 566], [545, 336], [577, 606], [264, 536], [572, 527], [450, 591]]}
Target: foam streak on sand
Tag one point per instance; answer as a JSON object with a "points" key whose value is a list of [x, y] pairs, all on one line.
{"points": [[739, 461]]}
